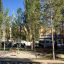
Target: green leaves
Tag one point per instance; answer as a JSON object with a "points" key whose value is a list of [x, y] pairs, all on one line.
{"points": [[1, 18], [1, 6], [1, 14], [57, 6], [33, 17], [17, 25]]}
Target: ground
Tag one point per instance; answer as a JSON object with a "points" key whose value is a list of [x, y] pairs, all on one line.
{"points": [[32, 56]]}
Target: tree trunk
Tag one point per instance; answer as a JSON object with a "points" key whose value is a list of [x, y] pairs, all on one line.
{"points": [[53, 44], [33, 43]]}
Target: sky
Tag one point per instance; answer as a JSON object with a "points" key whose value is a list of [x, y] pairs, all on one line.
{"points": [[13, 5]]}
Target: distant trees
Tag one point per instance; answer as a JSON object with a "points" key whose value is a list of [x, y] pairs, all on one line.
{"points": [[17, 25], [14, 30], [4, 18], [6, 24]]}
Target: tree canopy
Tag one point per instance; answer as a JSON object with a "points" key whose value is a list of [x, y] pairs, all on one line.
{"points": [[33, 18]]}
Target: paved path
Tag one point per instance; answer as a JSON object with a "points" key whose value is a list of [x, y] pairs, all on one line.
{"points": [[2, 53], [17, 54], [27, 55]]}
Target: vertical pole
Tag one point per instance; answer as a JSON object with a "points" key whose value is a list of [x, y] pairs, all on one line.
{"points": [[3, 28], [53, 44], [10, 34], [62, 32], [52, 33], [4, 38], [20, 35]]}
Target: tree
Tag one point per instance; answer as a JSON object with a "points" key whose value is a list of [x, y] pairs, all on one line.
{"points": [[52, 12], [7, 24], [17, 25], [5, 27], [1, 18], [20, 20], [32, 19], [15, 29], [1, 13]]}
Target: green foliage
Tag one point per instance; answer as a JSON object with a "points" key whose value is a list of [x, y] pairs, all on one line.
{"points": [[57, 6], [1, 14], [1, 18], [33, 18], [15, 30], [7, 23], [17, 25], [1, 6]]}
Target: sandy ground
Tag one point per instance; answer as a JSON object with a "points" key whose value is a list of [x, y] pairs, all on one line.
{"points": [[17, 54], [26, 54]]}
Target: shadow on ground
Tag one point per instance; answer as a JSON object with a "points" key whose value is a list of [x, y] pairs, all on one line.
{"points": [[17, 61]]}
